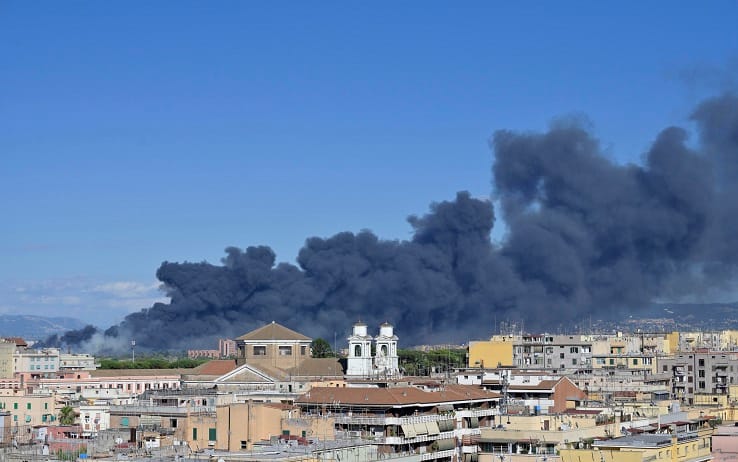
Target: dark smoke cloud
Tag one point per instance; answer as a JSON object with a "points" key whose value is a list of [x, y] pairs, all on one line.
{"points": [[586, 237]]}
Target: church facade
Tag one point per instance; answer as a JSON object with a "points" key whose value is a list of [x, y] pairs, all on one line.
{"points": [[372, 357]]}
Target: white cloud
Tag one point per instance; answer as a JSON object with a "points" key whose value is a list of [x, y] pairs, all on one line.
{"points": [[102, 303], [126, 289]]}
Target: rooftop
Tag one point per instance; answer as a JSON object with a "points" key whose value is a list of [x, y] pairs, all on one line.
{"points": [[273, 331]]}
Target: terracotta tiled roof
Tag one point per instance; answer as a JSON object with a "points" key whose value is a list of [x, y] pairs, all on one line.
{"points": [[215, 367], [395, 397], [273, 331], [17, 340]]}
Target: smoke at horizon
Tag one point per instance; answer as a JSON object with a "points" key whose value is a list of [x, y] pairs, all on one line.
{"points": [[585, 237]]}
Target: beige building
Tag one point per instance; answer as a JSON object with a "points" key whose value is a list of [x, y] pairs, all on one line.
{"points": [[28, 410], [6, 359], [273, 346], [240, 425]]}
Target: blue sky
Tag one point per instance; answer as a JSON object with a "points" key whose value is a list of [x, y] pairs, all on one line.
{"points": [[137, 132]]}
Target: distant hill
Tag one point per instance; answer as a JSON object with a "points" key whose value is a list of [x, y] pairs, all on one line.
{"points": [[31, 327]]}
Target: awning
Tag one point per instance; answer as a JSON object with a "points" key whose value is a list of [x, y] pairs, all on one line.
{"points": [[421, 429], [446, 444], [432, 428], [409, 430], [445, 407], [446, 425], [473, 422]]}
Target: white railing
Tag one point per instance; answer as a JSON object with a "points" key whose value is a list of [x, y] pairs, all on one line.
{"points": [[438, 454], [476, 412], [416, 439]]}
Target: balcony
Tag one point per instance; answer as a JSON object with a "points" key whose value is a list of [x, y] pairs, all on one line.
{"points": [[388, 420], [438, 454], [395, 440], [476, 412]]}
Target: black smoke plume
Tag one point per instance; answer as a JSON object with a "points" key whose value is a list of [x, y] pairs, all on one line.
{"points": [[586, 237]]}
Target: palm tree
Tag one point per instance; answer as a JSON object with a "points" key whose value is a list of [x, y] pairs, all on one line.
{"points": [[67, 415]]}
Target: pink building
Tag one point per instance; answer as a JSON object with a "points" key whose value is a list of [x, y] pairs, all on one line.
{"points": [[227, 348], [725, 444]]}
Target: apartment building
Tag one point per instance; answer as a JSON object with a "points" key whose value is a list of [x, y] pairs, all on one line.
{"points": [[558, 352], [407, 419], [72, 362], [35, 364], [700, 372], [28, 409], [681, 441]]}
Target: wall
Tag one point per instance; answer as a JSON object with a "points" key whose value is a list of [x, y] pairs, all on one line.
{"points": [[491, 353]]}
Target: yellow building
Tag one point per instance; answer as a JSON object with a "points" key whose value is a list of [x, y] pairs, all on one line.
{"points": [[672, 341], [688, 445], [495, 352], [632, 361]]}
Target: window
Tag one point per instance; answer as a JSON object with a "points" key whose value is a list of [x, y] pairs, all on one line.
{"points": [[635, 361], [574, 362], [260, 350], [124, 422], [244, 445], [211, 434], [46, 406], [303, 350], [357, 350], [701, 362], [701, 384], [194, 434], [701, 373], [285, 350], [574, 350], [28, 405], [15, 405], [561, 355]]}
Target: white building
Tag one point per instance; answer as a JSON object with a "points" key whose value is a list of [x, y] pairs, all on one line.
{"points": [[37, 363], [76, 362], [94, 419]]}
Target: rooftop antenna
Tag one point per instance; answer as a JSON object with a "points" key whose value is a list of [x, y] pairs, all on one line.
{"points": [[133, 351]]}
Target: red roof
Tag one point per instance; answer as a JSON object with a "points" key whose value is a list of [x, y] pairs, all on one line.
{"points": [[215, 367]]}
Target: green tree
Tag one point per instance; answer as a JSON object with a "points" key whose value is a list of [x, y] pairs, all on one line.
{"points": [[321, 349], [67, 415]]}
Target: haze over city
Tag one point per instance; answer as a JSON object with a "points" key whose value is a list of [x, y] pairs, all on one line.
{"points": [[136, 134]]}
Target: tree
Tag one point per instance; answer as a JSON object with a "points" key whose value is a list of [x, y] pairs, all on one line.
{"points": [[67, 415], [321, 349]]}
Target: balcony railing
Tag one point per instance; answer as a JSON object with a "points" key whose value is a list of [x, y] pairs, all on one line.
{"points": [[438, 454]]}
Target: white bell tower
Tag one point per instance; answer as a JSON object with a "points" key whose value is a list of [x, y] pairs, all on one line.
{"points": [[359, 361], [386, 360]]}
